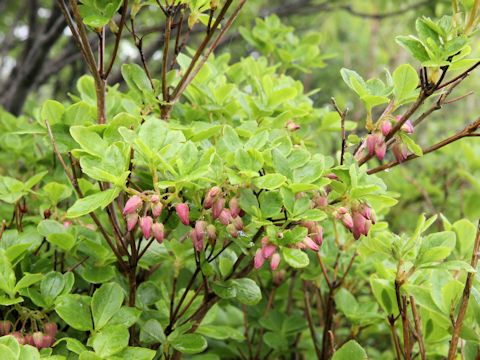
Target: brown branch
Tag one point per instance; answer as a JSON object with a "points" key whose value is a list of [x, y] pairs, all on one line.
{"points": [[308, 315], [418, 328], [465, 298], [118, 36], [343, 115]]}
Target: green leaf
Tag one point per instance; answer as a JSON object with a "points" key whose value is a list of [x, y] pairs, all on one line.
{"points": [[220, 332], [411, 145], [295, 257], [248, 292], [28, 280], [152, 332], [89, 140], [405, 81], [414, 46], [106, 302], [270, 204], [270, 181], [189, 343], [52, 286], [436, 247], [136, 353], [350, 351], [110, 340], [52, 111], [90, 203], [225, 289], [75, 311]]}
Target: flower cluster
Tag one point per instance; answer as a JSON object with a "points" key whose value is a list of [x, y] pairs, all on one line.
{"points": [[38, 339], [358, 219], [147, 224], [267, 251]]}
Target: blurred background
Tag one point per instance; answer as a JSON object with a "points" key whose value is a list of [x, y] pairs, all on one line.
{"points": [[312, 40]]}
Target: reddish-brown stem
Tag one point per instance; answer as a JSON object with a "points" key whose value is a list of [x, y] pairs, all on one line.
{"points": [[308, 315], [418, 328], [118, 36]]}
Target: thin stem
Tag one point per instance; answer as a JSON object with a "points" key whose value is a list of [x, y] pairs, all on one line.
{"points": [[308, 315], [118, 36], [465, 298], [343, 115], [418, 328]]}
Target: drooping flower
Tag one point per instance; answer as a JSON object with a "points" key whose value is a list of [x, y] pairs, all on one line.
{"points": [[218, 207], [197, 243], [258, 259], [131, 221], [275, 261], [386, 127], [210, 197], [183, 212], [292, 126], [268, 250], [146, 223], [380, 150], [232, 230], [400, 151], [212, 234], [132, 204], [38, 339], [407, 127], [200, 229], [308, 242], [158, 230], [5, 327], [234, 207], [225, 217], [51, 329], [157, 209]]}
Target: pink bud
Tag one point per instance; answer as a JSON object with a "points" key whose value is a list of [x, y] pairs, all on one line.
{"points": [[400, 152], [310, 243], [234, 207], [183, 212], [200, 229], [265, 240], [154, 199], [157, 209], [380, 150], [132, 204], [275, 261], [232, 230], [310, 225], [197, 243], [408, 127], [38, 339], [158, 231], [268, 251], [212, 234], [259, 259], [225, 217], [47, 341], [28, 338], [386, 127], [19, 337], [320, 201], [146, 223], [131, 221], [210, 197], [217, 207], [361, 225], [50, 329], [238, 223], [331, 176], [342, 210], [371, 143], [317, 236], [292, 126], [67, 224], [347, 221], [5, 327]]}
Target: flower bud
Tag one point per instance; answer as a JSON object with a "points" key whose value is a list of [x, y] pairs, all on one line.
{"points": [[275, 261], [308, 242], [158, 231], [131, 221], [347, 220], [386, 127], [310, 225], [50, 329], [67, 224], [292, 126], [28, 340], [5, 327], [372, 140], [47, 213], [154, 199], [317, 236], [132, 205], [278, 277], [232, 230], [331, 176], [157, 209], [201, 229], [268, 250], [407, 127], [234, 207], [146, 223], [47, 341], [380, 150], [217, 207], [258, 259], [210, 197], [19, 337], [225, 217], [197, 243], [238, 223], [265, 240], [38, 339], [212, 234], [342, 210], [400, 152], [183, 212], [320, 201], [361, 226]]}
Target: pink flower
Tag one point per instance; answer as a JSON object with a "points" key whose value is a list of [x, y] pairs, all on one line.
{"points": [[217, 207], [132, 205], [154, 199], [29, 340], [183, 212], [38, 339], [47, 341], [19, 337], [51, 329], [157, 209], [232, 230], [310, 243], [146, 223], [200, 229], [197, 243], [211, 233], [400, 151], [317, 235], [320, 201], [361, 225], [225, 217], [210, 197], [380, 150], [275, 261], [158, 231], [268, 250], [258, 259], [407, 127], [386, 127], [238, 223], [5, 327], [331, 176], [372, 140], [131, 221], [234, 207], [347, 221]]}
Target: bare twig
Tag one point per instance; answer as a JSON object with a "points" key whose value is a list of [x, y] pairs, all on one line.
{"points": [[308, 315]]}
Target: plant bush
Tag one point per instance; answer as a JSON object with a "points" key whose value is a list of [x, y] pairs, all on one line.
{"points": [[203, 214]]}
